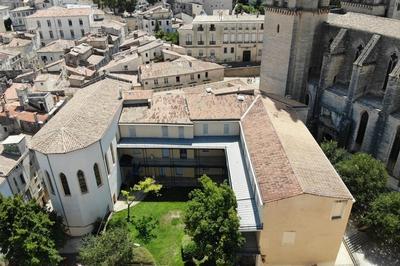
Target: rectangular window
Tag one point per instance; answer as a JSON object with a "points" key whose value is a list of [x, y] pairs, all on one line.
{"points": [[191, 76], [338, 209], [205, 129], [21, 176], [232, 37], [166, 80], [132, 132], [61, 34], [107, 164], [112, 153], [260, 38], [253, 37], [162, 171], [179, 171], [206, 74], [239, 38], [232, 50], [69, 22], [225, 50], [156, 82], [72, 34], [201, 53], [226, 129], [83, 32], [181, 132], [59, 22], [226, 37], [80, 22], [183, 153], [38, 24], [40, 35], [288, 238], [178, 79], [164, 130], [198, 76], [49, 23], [165, 153], [51, 34]]}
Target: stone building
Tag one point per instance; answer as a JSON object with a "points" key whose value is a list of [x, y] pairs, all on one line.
{"points": [[383, 8], [224, 38], [183, 72], [346, 70], [108, 135]]}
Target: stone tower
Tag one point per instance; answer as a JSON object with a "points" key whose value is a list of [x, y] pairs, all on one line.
{"points": [[291, 29]]}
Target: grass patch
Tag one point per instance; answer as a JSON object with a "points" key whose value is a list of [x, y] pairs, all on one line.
{"points": [[168, 210]]}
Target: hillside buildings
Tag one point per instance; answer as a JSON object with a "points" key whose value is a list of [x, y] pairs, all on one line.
{"points": [[224, 38], [197, 7], [183, 72]]}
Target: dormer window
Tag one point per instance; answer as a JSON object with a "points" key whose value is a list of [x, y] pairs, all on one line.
{"points": [[200, 28], [212, 27]]}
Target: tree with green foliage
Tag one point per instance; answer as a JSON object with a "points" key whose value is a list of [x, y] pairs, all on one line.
{"points": [[148, 185], [246, 9], [30, 235], [172, 37], [113, 247], [145, 226], [334, 153], [365, 177], [383, 218], [211, 220]]}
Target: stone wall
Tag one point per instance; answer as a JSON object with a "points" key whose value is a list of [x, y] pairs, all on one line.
{"points": [[250, 71]]}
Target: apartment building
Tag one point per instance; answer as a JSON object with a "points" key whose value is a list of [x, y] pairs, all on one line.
{"points": [[160, 15], [183, 72], [195, 7], [224, 38], [60, 23], [18, 15], [19, 170], [108, 135], [54, 51]]}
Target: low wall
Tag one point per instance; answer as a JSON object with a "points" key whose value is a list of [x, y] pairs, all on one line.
{"points": [[248, 71]]}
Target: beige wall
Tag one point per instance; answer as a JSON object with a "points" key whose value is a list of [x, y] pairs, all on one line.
{"points": [[216, 128], [185, 80], [154, 131], [317, 237]]}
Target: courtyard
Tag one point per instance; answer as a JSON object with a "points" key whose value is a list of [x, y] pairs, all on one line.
{"points": [[168, 211]]}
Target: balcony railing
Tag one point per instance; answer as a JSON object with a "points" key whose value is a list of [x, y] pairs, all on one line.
{"points": [[200, 42], [212, 42], [188, 43]]}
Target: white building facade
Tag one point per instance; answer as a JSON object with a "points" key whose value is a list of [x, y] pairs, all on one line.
{"points": [[18, 15], [224, 38], [60, 23]]}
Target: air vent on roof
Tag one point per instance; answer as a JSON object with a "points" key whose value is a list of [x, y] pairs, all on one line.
{"points": [[240, 98], [208, 90]]}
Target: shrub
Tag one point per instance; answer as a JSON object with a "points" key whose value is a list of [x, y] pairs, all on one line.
{"points": [[188, 249], [383, 218], [334, 153], [145, 226], [365, 177], [141, 255]]}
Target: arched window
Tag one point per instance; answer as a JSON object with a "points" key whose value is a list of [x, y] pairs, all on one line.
{"points": [[392, 64], [82, 181], [97, 174], [307, 99], [64, 183], [361, 130], [358, 52], [50, 183], [394, 152]]}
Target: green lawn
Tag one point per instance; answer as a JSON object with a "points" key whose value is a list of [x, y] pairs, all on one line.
{"points": [[168, 210]]}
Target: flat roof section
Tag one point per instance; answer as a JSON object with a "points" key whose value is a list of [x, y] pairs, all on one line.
{"points": [[238, 172]]}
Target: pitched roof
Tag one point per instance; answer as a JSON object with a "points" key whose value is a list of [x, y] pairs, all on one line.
{"points": [[82, 121], [373, 24], [57, 11], [286, 159], [178, 67]]}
